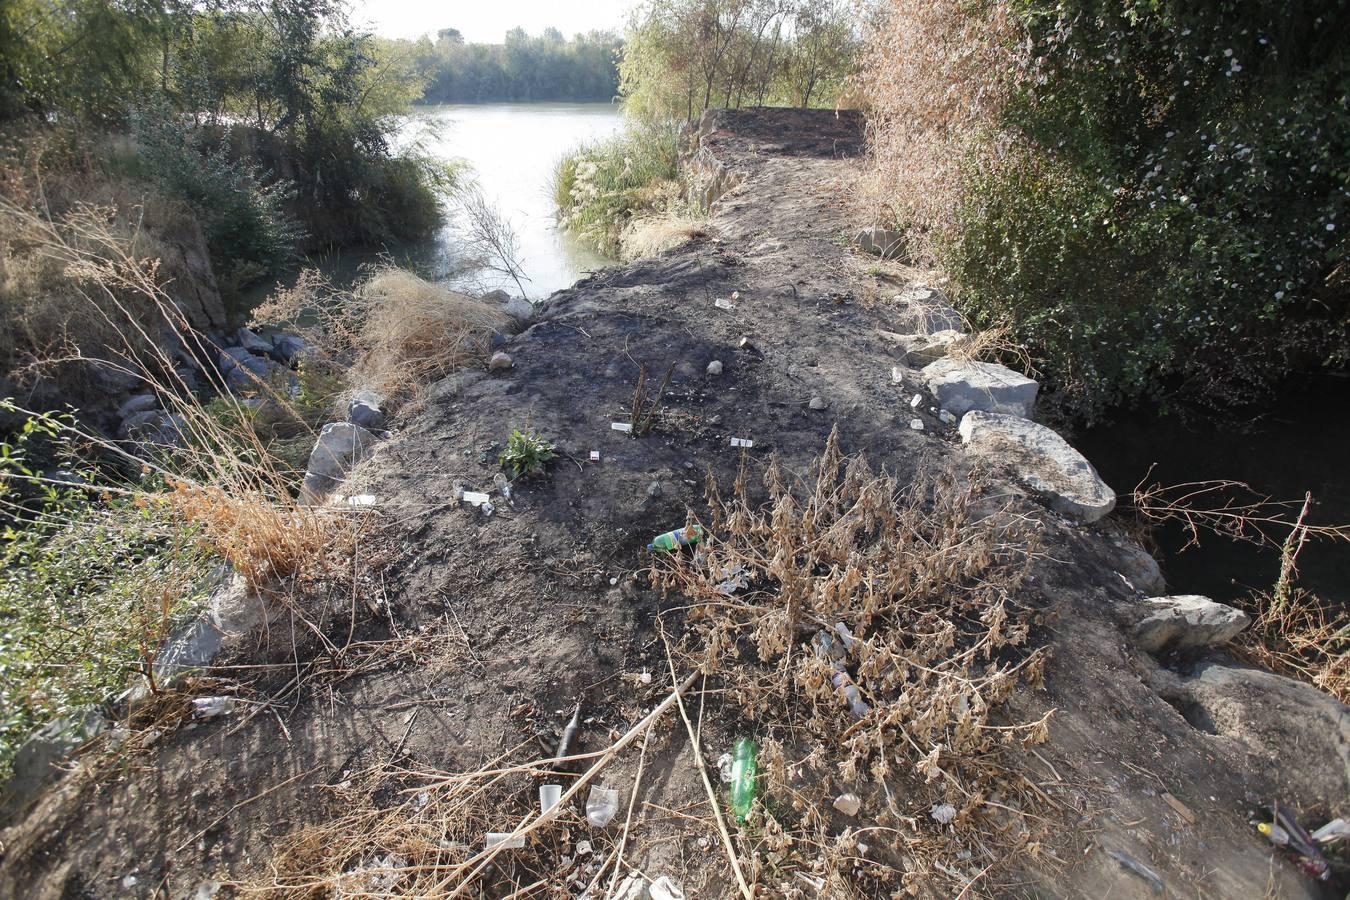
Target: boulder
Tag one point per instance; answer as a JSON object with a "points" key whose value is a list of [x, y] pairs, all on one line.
{"points": [[341, 445], [884, 242], [366, 408], [1138, 566], [141, 426], [230, 357], [249, 371], [137, 403], [918, 350], [497, 296], [972, 385], [253, 342], [1042, 459], [519, 309], [925, 310], [287, 348], [500, 361], [38, 760], [231, 612], [1185, 622]]}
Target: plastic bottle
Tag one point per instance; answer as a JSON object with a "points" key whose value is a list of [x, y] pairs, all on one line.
{"points": [[674, 540], [744, 772]]}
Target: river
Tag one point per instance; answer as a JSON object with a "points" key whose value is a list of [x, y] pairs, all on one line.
{"points": [[511, 150]]}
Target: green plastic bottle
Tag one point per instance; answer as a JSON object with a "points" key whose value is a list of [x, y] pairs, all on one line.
{"points": [[744, 772], [674, 540]]}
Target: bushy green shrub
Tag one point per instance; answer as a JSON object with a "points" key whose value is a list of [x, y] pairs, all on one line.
{"points": [[526, 454], [1155, 197], [600, 187]]}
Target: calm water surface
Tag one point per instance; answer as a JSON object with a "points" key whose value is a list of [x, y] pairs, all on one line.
{"points": [[513, 149]]}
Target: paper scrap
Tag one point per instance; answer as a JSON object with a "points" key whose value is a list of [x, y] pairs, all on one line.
{"points": [[742, 442], [595, 456], [722, 303], [625, 427], [475, 497]]}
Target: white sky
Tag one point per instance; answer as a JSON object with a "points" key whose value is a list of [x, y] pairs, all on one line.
{"points": [[486, 21]]}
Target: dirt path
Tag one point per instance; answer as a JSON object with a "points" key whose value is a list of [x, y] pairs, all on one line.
{"points": [[519, 614]]}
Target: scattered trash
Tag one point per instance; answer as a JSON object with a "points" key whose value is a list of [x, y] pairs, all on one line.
{"points": [[654, 489], [1182, 809], [744, 344], [916, 424], [502, 484], [680, 537], [634, 887], [826, 645], [595, 456], [1285, 831], [722, 303], [665, 889], [487, 508], [715, 367], [645, 677], [549, 795], [422, 799], [1332, 832], [917, 401], [583, 848], [734, 579], [1138, 868], [504, 839], [206, 890], [947, 417], [897, 375], [742, 442], [943, 813], [724, 767], [475, 498], [210, 707], [355, 500], [602, 804], [848, 804], [129, 882], [744, 771], [569, 736], [812, 881], [1274, 833], [625, 427]]}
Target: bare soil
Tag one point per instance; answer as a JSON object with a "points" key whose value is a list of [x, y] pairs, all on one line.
{"points": [[477, 633]]}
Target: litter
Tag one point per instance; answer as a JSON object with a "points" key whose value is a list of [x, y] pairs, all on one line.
{"points": [[1333, 831], [733, 579], [645, 677], [665, 889], [724, 767], [583, 848], [680, 537], [947, 417], [1285, 825], [595, 456], [502, 484], [569, 736], [210, 707], [742, 442], [917, 401], [625, 427], [475, 498], [633, 887], [897, 375], [504, 839], [549, 795], [722, 303], [848, 804], [1138, 868], [356, 500], [744, 771], [943, 813], [916, 424], [601, 805], [835, 650]]}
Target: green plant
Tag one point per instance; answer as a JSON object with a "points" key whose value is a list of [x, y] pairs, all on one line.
{"points": [[526, 454]]}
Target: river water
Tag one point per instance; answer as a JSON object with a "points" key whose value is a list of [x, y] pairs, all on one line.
{"points": [[512, 150]]}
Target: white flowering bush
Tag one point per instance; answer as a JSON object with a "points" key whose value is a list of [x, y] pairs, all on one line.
{"points": [[1153, 196]]}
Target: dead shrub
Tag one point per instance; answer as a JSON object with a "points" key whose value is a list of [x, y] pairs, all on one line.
{"points": [[652, 235], [917, 590]]}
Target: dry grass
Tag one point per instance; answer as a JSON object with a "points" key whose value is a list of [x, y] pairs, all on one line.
{"points": [[928, 588], [652, 235], [393, 334], [935, 74]]}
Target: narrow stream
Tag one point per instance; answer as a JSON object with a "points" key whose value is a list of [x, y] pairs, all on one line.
{"points": [[1301, 444]]}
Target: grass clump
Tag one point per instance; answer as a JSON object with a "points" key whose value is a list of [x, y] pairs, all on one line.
{"points": [[601, 188], [526, 454], [917, 593]]}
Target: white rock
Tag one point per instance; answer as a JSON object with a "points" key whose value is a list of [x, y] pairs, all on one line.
{"points": [[1186, 622], [989, 387], [817, 402], [519, 309], [715, 367], [1042, 459], [500, 360], [848, 804], [341, 445], [916, 424], [916, 401]]}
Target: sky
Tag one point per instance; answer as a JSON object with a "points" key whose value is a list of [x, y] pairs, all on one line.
{"points": [[486, 21]]}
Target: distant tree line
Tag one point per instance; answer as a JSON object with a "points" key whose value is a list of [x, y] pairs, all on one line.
{"points": [[523, 67]]}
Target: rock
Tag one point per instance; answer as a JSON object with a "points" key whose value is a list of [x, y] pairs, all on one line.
{"points": [[38, 760], [1138, 567], [341, 445], [918, 350], [1186, 622], [519, 309], [715, 367], [817, 402], [1042, 459], [925, 310], [287, 348], [946, 417], [916, 424], [231, 612], [848, 804], [366, 408], [989, 387], [497, 296], [170, 432], [498, 339], [253, 342], [883, 242], [231, 357], [112, 379], [249, 371], [1301, 733], [136, 404], [500, 360], [142, 425]]}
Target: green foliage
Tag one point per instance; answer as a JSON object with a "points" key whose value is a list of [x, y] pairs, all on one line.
{"points": [[1166, 214], [88, 585], [523, 67], [601, 187], [526, 454]]}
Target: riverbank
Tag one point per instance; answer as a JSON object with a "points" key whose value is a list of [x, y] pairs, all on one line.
{"points": [[1032, 715]]}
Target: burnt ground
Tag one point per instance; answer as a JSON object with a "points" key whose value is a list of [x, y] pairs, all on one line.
{"points": [[521, 613]]}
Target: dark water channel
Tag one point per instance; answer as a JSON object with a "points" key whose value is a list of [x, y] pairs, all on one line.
{"points": [[1300, 444]]}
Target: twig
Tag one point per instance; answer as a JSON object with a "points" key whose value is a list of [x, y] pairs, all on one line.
{"points": [[628, 822]]}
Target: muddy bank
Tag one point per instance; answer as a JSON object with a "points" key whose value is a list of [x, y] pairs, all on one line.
{"points": [[491, 628]]}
